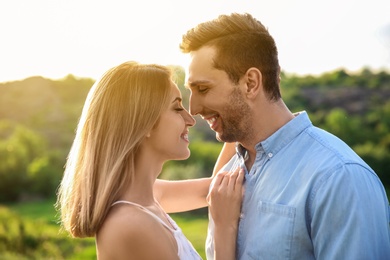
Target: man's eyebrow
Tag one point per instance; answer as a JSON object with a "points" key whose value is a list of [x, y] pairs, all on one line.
{"points": [[177, 99], [196, 83]]}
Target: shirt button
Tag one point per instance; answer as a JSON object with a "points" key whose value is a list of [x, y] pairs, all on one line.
{"points": [[242, 215], [270, 155]]}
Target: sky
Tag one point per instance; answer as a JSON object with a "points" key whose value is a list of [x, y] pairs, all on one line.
{"points": [[53, 38]]}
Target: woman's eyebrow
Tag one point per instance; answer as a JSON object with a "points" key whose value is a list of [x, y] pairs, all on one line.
{"points": [[177, 99]]}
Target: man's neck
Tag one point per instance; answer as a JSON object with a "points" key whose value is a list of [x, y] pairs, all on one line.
{"points": [[266, 124]]}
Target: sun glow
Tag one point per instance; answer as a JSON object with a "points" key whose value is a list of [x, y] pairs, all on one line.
{"points": [[54, 38]]}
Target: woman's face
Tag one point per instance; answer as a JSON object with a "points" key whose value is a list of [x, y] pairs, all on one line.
{"points": [[169, 138]]}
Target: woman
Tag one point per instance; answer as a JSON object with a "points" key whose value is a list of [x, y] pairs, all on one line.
{"points": [[133, 122]]}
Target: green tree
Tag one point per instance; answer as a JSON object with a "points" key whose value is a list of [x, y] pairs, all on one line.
{"points": [[346, 127], [19, 147], [200, 164], [378, 157], [44, 175]]}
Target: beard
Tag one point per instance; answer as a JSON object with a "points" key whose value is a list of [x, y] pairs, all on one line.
{"points": [[236, 116]]}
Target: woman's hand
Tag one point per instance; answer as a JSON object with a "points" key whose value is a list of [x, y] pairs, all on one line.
{"points": [[224, 199]]}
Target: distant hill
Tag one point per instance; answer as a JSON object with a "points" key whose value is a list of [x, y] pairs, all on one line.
{"points": [[356, 93], [354, 107], [356, 100], [53, 107], [49, 107]]}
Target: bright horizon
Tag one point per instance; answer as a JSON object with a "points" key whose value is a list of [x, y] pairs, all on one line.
{"points": [[54, 38]]}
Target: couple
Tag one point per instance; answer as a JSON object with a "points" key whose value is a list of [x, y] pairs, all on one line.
{"points": [[307, 195]]}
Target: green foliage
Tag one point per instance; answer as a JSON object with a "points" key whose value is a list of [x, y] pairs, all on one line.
{"points": [[36, 134], [338, 122], [200, 164], [204, 154], [339, 78], [25, 166], [44, 174], [378, 157], [180, 172], [18, 147], [29, 231]]}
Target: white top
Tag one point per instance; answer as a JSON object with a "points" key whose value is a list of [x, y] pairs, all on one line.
{"points": [[185, 249]]}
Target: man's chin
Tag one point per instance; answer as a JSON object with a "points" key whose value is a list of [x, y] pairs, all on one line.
{"points": [[226, 138], [220, 138]]}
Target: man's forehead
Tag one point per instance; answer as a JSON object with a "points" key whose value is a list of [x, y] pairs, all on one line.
{"points": [[200, 68], [201, 58], [199, 74]]}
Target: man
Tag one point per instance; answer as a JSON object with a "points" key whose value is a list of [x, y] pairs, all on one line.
{"points": [[307, 194]]}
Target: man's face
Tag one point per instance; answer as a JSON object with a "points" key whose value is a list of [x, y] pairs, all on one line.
{"points": [[216, 98]]}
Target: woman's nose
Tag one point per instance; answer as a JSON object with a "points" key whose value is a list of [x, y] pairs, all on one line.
{"points": [[190, 121]]}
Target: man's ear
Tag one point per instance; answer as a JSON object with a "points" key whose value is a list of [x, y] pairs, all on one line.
{"points": [[253, 82]]}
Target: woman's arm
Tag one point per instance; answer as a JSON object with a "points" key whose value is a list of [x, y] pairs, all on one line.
{"points": [[227, 152], [179, 196]]}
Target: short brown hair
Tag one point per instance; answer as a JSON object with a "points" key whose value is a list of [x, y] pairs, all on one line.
{"points": [[241, 42]]}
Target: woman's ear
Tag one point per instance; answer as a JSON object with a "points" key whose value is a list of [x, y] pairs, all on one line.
{"points": [[253, 82]]}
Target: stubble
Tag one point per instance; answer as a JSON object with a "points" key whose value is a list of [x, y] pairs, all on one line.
{"points": [[236, 125]]}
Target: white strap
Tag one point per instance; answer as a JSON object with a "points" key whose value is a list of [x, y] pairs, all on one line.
{"points": [[145, 209]]}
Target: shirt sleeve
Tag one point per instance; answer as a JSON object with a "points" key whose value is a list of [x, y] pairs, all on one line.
{"points": [[349, 215]]}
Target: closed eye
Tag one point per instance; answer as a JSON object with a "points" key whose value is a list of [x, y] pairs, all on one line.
{"points": [[202, 89]]}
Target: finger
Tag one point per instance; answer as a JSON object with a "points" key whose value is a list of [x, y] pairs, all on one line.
{"points": [[225, 180], [240, 179], [216, 185], [218, 178], [233, 178]]}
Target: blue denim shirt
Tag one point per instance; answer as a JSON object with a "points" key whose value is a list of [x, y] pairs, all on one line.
{"points": [[309, 196]]}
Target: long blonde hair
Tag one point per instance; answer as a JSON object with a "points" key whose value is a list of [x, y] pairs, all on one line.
{"points": [[119, 111]]}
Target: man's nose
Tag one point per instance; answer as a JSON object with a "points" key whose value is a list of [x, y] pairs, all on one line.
{"points": [[195, 106]]}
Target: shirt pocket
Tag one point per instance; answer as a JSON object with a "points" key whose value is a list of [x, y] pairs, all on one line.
{"points": [[273, 232]]}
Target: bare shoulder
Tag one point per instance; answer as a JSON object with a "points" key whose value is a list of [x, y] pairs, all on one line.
{"points": [[131, 233]]}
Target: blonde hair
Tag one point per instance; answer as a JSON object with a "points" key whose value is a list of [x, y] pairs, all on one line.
{"points": [[118, 113]]}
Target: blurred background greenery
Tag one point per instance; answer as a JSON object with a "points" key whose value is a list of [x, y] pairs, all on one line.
{"points": [[38, 118]]}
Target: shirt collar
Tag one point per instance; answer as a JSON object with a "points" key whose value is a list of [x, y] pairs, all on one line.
{"points": [[286, 133], [273, 144]]}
